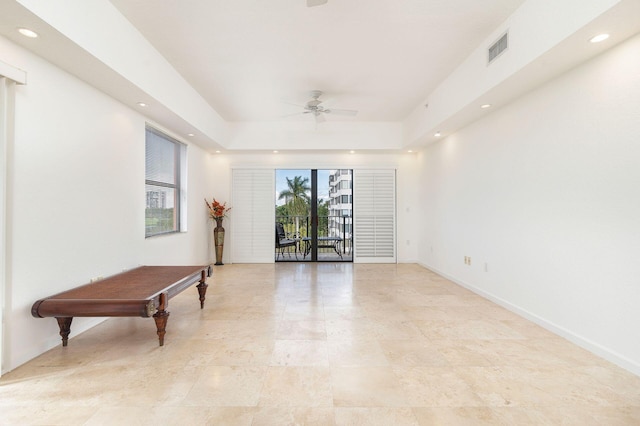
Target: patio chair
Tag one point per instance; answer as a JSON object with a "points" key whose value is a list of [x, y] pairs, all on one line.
{"points": [[283, 242]]}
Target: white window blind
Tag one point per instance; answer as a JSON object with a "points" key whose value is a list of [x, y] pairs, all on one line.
{"points": [[374, 206], [253, 215]]}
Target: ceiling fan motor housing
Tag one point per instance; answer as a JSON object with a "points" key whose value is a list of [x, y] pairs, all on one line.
{"points": [[313, 107]]}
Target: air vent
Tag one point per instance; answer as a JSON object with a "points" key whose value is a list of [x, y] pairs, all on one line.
{"points": [[498, 47]]}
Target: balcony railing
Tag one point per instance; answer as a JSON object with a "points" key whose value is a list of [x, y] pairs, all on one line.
{"points": [[328, 226]]}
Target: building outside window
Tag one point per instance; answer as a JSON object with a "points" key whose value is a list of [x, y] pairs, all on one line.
{"points": [[341, 205]]}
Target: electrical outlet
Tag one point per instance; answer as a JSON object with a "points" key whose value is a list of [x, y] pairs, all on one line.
{"points": [[467, 260]]}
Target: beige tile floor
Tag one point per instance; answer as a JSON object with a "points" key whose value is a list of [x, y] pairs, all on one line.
{"points": [[322, 344]]}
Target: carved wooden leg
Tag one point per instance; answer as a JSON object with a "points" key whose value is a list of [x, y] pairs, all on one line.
{"points": [[202, 287], [202, 290], [65, 328], [161, 318]]}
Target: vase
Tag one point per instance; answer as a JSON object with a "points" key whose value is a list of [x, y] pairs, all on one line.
{"points": [[218, 240]]}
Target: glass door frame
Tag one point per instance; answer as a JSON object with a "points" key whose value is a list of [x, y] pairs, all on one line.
{"points": [[309, 246], [314, 215]]}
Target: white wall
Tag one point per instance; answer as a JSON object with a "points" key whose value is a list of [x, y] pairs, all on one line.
{"points": [[546, 39], [124, 64], [406, 166], [75, 211], [76, 199], [545, 193], [304, 134]]}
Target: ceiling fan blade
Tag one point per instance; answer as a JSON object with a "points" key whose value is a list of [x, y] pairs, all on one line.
{"points": [[351, 112], [311, 3]]}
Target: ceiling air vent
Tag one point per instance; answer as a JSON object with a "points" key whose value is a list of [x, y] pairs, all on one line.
{"points": [[498, 47]]}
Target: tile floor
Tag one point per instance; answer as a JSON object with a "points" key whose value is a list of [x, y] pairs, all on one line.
{"points": [[322, 344]]}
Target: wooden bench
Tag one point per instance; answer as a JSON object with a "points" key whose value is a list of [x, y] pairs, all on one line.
{"points": [[141, 292]]}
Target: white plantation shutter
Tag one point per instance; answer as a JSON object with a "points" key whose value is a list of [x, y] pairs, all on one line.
{"points": [[374, 216], [253, 216]]}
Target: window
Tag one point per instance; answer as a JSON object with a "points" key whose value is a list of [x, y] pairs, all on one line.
{"points": [[164, 168]]}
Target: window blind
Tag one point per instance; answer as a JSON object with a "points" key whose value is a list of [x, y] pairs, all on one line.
{"points": [[253, 215], [374, 206]]}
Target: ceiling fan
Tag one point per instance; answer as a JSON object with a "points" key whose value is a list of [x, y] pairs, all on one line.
{"points": [[315, 108], [311, 3]]}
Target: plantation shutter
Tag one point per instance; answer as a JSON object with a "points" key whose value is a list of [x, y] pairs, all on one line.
{"points": [[253, 216], [374, 216]]}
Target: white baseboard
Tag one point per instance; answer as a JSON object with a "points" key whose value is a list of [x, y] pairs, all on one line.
{"points": [[581, 341], [54, 340]]}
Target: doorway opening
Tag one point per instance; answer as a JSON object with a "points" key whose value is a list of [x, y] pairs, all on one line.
{"points": [[314, 215]]}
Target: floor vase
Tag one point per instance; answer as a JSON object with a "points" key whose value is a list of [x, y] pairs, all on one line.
{"points": [[218, 241]]}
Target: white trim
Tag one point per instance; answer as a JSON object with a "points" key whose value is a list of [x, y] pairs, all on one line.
{"points": [[7, 108], [17, 75], [284, 165], [583, 342]]}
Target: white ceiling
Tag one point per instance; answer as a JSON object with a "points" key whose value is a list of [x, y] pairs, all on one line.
{"points": [[243, 59], [248, 58]]}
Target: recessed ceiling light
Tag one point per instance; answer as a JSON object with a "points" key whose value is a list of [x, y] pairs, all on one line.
{"points": [[437, 134], [217, 151], [190, 135], [275, 152], [352, 152], [410, 151], [142, 104], [27, 32], [599, 38], [485, 106]]}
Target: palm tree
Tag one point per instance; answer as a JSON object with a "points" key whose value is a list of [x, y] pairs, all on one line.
{"points": [[297, 197]]}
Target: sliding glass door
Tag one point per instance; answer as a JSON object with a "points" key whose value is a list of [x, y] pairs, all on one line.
{"points": [[313, 215]]}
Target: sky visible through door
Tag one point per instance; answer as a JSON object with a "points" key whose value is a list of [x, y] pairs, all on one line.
{"points": [[283, 174]]}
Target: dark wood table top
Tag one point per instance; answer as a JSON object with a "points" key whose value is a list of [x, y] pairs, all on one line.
{"points": [[132, 292], [141, 283]]}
